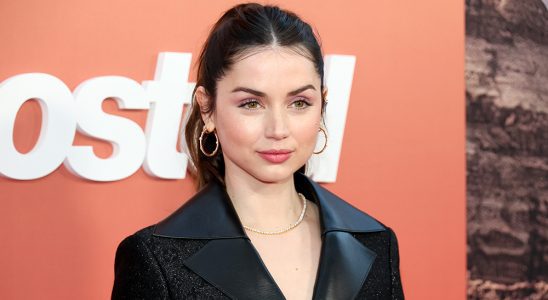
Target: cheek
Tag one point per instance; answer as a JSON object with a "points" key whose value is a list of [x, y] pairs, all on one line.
{"points": [[234, 131], [306, 132]]}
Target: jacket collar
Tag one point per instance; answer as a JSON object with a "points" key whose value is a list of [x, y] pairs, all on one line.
{"points": [[211, 215], [232, 264]]}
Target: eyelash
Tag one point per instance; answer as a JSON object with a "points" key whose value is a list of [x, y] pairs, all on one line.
{"points": [[307, 104], [246, 102]]}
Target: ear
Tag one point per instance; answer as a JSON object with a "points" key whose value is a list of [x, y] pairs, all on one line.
{"points": [[203, 99], [324, 97]]}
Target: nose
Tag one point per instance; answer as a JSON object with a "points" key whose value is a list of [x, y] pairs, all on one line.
{"points": [[277, 124]]}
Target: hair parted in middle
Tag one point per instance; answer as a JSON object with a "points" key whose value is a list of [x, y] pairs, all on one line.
{"points": [[241, 30]]}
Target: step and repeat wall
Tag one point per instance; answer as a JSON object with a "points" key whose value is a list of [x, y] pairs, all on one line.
{"points": [[80, 170]]}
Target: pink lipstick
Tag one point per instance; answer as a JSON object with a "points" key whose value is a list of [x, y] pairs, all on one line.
{"points": [[276, 156]]}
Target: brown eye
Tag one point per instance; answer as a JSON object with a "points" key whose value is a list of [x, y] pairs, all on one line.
{"points": [[251, 105]]}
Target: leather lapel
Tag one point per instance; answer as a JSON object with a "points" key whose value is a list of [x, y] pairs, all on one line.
{"points": [[344, 262], [207, 215], [231, 263], [344, 265], [234, 267]]}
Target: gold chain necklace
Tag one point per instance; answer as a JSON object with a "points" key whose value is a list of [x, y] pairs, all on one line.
{"points": [[286, 229]]}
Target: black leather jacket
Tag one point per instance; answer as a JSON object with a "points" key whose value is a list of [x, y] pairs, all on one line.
{"points": [[201, 251]]}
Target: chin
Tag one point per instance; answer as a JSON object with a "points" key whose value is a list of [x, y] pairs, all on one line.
{"points": [[266, 172], [274, 175]]}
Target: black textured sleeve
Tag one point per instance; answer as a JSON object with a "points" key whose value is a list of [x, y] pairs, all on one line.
{"points": [[137, 274], [397, 290]]}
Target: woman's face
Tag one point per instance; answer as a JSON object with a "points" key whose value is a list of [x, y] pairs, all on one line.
{"points": [[268, 101]]}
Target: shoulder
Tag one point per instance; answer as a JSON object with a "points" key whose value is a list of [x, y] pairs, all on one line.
{"points": [[144, 241], [141, 235], [133, 245], [133, 256], [147, 265], [138, 242], [143, 250]]}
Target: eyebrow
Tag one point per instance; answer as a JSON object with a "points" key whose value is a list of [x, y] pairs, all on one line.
{"points": [[261, 94]]}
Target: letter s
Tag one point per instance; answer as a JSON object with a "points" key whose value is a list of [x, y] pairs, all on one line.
{"points": [[127, 138]]}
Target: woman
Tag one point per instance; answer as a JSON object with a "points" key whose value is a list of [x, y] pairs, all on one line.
{"points": [[259, 228]]}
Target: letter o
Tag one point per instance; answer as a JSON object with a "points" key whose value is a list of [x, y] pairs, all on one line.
{"points": [[58, 125]]}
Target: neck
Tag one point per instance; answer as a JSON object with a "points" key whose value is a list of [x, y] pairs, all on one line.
{"points": [[263, 205]]}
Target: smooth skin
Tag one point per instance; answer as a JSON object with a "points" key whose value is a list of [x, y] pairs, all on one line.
{"points": [[271, 99]]}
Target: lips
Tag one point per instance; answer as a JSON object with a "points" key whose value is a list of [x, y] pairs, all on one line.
{"points": [[276, 156]]}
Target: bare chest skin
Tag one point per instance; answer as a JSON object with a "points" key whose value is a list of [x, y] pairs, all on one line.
{"points": [[292, 258]]}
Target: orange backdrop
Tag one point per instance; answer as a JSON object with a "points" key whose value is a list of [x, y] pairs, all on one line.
{"points": [[402, 155]]}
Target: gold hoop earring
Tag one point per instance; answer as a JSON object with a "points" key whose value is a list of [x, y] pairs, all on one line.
{"points": [[202, 146], [325, 144]]}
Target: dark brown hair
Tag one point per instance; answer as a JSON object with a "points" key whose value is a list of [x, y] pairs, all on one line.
{"points": [[242, 28]]}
